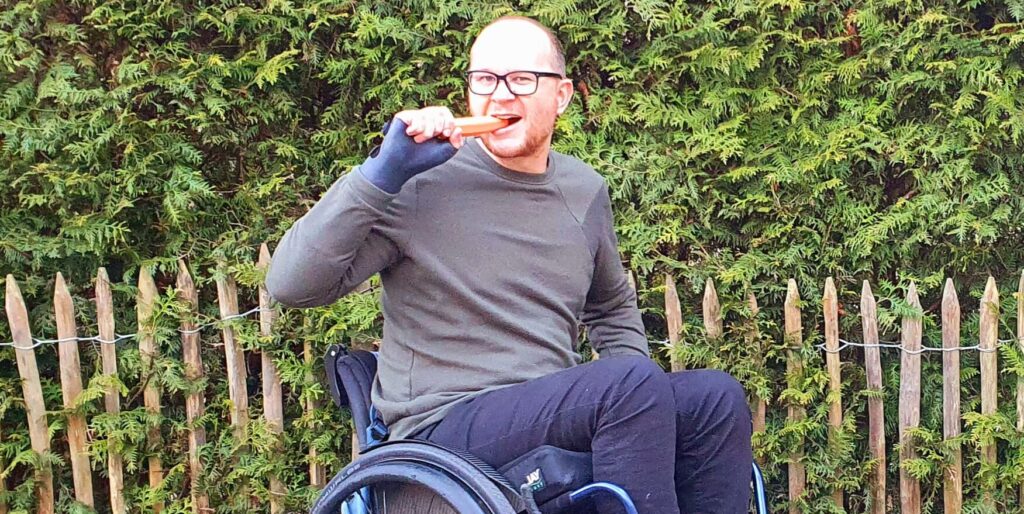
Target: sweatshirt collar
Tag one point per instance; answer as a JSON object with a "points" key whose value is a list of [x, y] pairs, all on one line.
{"points": [[476, 148]]}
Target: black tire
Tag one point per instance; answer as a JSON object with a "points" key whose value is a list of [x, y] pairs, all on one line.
{"points": [[457, 482]]}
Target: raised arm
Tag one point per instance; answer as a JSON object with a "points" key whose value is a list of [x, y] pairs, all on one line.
{"points": [[350, 234], [342, 241]]}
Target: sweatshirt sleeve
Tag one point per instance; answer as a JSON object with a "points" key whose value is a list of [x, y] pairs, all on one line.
{"points": [[342, 241], [610, 314]]}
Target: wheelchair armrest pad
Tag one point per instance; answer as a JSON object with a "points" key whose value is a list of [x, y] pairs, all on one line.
{"points": [[350, 376]]}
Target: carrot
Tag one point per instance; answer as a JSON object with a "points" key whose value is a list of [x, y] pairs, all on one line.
{"points": [[476, 125]]}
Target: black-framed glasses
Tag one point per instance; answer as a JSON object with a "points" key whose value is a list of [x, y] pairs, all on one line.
{"points": [[519, 83]]}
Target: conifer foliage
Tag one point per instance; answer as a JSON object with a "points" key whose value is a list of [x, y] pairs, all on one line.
{"points": [[749, 141]]}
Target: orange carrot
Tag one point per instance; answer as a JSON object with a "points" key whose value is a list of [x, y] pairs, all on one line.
{"points": [[476, 125]]}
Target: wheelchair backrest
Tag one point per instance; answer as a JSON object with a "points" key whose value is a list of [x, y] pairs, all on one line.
{"points": [[350, 376]]}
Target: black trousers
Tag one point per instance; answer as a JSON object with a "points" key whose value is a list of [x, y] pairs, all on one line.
{"points": [[676, 442]]}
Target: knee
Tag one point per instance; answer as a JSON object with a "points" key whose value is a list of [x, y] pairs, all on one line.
{"points": [[731, 396], [637, 373], [728, 388], [630, 368], [723, 394]]}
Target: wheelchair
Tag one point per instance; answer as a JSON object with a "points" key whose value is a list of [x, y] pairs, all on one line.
{"points": [[412, 476]]}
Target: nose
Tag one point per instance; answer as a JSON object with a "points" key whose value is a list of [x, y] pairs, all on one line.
{"points": [[502, 92]]}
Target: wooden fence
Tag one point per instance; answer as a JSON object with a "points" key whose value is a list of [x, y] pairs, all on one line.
{"points": [[909, 392], [71, 382]]}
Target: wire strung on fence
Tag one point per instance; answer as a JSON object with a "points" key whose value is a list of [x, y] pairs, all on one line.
{"points": [[884, 344], [36, 343], [888, 344], [664, 342]]}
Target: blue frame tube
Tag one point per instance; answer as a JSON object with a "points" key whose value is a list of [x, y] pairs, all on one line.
{"points": [[596, 487], [760, 497], [358, 503]]}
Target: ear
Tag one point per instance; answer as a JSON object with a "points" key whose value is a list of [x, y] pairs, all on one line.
{"points": [[564, 94]]}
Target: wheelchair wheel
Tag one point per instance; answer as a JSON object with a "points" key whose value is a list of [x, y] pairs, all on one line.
{"points": [[440, 480]]}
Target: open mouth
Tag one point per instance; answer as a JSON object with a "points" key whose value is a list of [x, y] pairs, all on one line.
{"points": [[511, 118]]}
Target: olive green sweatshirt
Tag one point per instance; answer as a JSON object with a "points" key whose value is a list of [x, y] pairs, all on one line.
{"points": [[487, 275]]}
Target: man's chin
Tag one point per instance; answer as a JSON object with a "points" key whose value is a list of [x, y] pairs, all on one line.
{"points": [[504, 149]]}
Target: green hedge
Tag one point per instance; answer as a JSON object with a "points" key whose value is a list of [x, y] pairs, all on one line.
{"points": [[748, 141]]}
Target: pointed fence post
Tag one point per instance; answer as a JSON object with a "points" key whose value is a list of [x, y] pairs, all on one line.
{"points": [[195, 401], [876, 405], [760, 410], [1020, 346], [830, 306], [151, 394], [712, 312], [112, 396], [317, 473], [988, 335], [674, 319], [273, 407], [3, 484], [32, 392], [71, 389], [794, 372], [227, 296], [910, 402], [952, 488]]}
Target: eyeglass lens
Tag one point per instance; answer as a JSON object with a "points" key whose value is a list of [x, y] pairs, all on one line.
{"points": [[518, 83]]}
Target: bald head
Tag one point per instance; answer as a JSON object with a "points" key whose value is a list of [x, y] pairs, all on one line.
{"points": [[520, 34], [517, 44]]}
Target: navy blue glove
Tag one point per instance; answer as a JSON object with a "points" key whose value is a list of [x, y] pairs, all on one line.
{"points": [[399, 158]]}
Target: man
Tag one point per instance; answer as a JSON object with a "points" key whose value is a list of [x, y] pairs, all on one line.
{"points": [[491, 252]]}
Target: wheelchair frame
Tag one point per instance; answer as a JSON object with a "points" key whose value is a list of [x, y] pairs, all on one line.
{"points": [[462, 481]]}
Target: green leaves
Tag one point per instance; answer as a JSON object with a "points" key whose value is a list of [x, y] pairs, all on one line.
{"points": [[750, 141]]}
